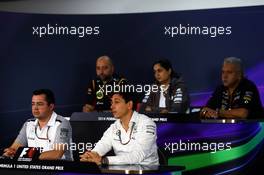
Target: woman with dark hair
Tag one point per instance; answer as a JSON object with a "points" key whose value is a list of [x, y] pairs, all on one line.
{"points": [[172, 94]]}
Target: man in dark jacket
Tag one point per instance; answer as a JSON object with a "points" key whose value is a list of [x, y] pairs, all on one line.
{"points": [[236, 98], [97, 98]]}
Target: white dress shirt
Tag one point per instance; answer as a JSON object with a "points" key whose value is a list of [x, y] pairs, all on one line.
{"points": [[136, 146]]}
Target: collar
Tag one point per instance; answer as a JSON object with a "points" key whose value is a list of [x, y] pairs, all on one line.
{"points": [[133, 119], [106, 82], [164, 89], [51, 121]]}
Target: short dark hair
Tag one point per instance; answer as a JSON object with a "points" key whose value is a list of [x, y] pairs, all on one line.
{"points": [[50, 98], [127, 96]]}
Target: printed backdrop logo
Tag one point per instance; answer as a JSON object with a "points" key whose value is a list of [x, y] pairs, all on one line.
{"points": [[28, 154]]}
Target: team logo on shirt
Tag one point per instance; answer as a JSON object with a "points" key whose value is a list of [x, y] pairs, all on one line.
{"points": [[150, 129], [177, 98], [64, 132], [99, 94], [248, 97]]}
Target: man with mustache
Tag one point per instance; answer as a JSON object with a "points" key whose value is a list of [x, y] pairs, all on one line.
{"points": [[96, 98], [236, 98]]}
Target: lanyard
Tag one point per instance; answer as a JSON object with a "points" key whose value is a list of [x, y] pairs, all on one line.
{"points": [[41, 138], [119, 135]]}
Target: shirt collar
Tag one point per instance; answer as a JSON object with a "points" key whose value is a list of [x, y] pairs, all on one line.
{"points": [[132, 120], [51, 121], [134, 117]]}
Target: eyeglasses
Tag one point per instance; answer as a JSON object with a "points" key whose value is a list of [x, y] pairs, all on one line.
{"points": [[43, 138], [119, 135]]}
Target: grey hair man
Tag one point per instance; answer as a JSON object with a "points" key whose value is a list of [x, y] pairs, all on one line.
{"points": [[237, 97]]}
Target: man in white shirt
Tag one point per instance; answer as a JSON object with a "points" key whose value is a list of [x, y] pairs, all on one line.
{"points": [[47, 130], [132, 136]]}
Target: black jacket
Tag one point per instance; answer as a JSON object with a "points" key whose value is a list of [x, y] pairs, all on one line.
{"points": [[246, 96], [177, 98]]}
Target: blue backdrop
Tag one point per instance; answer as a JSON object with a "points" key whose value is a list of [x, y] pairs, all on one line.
{"points": [[65, 64]]}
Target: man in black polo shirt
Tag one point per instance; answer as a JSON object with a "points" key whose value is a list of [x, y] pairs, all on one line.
{"points": [[97, 98], [236, 98]]}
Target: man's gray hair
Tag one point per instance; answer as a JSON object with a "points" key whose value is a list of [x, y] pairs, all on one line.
{"points": [[235, 61]]}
